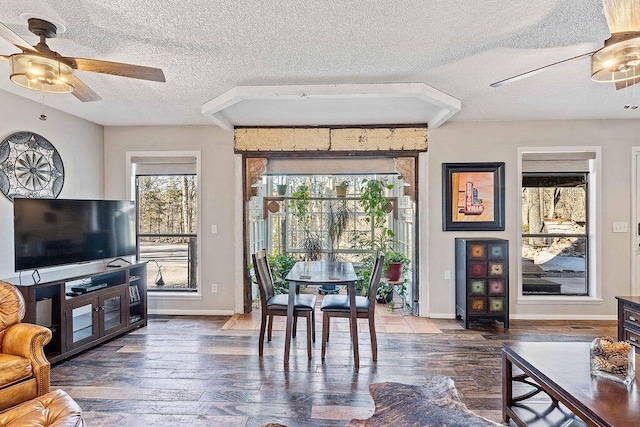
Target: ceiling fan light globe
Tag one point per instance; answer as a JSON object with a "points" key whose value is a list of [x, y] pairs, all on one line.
{"points": [[34, 71], [617, 61], [40, 73]]}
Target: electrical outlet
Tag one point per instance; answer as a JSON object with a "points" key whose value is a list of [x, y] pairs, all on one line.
{"points": [[447, 274], [214, 229], [214, 288], [620, 227]]}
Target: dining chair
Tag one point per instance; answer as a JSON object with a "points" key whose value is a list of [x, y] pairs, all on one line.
{"points": [[276, 305], [338, 306]]}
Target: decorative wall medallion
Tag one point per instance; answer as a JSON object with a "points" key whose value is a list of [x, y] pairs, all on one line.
{"points": [[30, 166]]}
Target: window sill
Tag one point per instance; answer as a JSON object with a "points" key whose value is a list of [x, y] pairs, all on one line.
{"points": [[554, 299], [168, 295]]}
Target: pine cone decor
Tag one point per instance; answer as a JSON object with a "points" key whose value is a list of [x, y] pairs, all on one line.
{"points": [[613, 360]]}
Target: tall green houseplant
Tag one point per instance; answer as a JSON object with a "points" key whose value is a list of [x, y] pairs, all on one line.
{"points": [[377, 206], [338, 216], [311, 243]]}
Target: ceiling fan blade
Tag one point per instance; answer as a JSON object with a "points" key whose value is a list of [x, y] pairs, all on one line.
{"points": [[538, 70], [626, 83], [15, 39], [83, 92], [119, 69]]}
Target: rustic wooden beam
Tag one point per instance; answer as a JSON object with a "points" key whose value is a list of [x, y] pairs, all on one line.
{"points": [[331, 139]]}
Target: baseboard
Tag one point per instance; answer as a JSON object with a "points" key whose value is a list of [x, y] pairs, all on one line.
{"points": [[182, 312], [563, 317], [539, 316], [441, 316]]}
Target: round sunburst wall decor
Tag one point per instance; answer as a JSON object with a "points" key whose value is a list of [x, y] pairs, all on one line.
{"points": [[30, 166]]}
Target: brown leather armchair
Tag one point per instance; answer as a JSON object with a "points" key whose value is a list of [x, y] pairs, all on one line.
{"points": [[24, 369]]}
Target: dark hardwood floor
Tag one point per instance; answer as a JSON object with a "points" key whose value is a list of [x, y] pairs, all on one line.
{"points": [[188, 371]]}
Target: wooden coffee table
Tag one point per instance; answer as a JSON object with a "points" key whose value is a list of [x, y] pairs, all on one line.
{"points": [[555, 386]]}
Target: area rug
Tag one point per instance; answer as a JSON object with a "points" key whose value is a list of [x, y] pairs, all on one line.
{"points": [[433, 404]]}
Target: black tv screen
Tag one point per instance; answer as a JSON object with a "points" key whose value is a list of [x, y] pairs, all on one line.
{"points": [[49, 232]]}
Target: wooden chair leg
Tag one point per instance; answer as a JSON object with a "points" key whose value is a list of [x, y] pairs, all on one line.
{"points": [[270, 327], [295, 324], [374, 341], [325, 334], [263, 325], [308, 316], [328, 329], [313, 325]]}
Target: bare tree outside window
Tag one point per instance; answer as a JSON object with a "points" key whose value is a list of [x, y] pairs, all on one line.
{"points": [[167, 226], [554, 234]]}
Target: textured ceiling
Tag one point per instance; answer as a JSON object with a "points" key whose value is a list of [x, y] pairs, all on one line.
{"points": [[208, 47]]}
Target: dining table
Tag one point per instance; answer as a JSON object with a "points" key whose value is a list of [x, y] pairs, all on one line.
{"points": [[317, 273]]}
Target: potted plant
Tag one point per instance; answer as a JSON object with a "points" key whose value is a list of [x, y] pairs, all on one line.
{"points": [[364, 273], [374, 201], [396, 264], [311, 243], [282, 189], [341, 189], [280, 266], [338, 215], [384, 294]]}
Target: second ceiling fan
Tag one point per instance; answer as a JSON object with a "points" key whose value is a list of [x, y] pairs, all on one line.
{"points": [[618, 61]]}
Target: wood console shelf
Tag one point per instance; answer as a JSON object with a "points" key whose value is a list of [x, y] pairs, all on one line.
{"points": [[81, 321]]}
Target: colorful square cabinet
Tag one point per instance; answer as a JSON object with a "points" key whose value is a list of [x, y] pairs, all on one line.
{"points": [[482, 280]]}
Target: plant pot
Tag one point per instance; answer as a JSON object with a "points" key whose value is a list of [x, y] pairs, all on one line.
{"points": [[394, 272], [282, 189], [386, 299], [341, 191]]}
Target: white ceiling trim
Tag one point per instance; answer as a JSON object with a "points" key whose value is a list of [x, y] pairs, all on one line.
{"points": [[434, 107]]}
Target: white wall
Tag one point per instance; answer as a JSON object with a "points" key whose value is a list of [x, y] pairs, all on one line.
{"points": [[498, 142], [80, 144], [90, 156], [217, 190]]}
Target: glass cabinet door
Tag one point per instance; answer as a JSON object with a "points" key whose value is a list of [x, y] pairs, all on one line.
{"points": [[84, 322], [112, 311]]}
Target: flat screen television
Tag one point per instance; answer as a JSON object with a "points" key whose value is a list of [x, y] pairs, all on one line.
{"points": [[50, 232]]}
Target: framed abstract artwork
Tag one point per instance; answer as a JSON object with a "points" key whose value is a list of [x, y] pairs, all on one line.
{"points": [[473, 196]]}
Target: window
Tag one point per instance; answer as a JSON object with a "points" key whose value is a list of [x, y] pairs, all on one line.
{"points": [[166, 193], [314, 237], [166, 230], [555, 241]]}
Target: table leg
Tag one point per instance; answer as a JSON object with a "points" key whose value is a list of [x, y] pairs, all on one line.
{"points": [[507, 386], [353, 322], [290, 306]]}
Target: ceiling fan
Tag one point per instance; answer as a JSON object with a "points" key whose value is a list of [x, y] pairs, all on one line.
{"points": [[40, 68], [618, 61]]}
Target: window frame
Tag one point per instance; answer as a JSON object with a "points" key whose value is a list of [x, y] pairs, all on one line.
{"points": [[584, 235], [142, 235], [131, 194], [594, 206]]}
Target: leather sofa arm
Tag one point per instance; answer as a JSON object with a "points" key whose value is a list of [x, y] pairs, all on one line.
{"points": [[28, 341]]}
